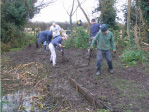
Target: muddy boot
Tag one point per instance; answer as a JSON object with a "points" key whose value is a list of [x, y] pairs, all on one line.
{"points": [[98, 73], [44, 48], [55, 66], [111, 71], [51, 61]]}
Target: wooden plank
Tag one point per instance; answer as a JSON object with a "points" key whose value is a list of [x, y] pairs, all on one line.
{"points": [[90, 97]]}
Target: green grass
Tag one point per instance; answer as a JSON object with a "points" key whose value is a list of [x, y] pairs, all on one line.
{"points": [[15, 49]]}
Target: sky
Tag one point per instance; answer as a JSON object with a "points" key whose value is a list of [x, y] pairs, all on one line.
{"points": [[57, 13]]}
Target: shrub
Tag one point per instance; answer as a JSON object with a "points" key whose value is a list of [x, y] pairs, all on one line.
{"points": [[121, 40], [82, 38], [30, 39], [131, 57], [13, 35], [5, 47], [69, 43], [79, 38]]}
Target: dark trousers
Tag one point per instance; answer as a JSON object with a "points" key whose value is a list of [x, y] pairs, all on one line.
{"points": [[107, 54]]}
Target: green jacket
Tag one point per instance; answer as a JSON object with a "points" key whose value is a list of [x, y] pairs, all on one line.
{"points": [[104, 41]]}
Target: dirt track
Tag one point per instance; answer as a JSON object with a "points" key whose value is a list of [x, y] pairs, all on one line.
{"points": [[124, 91]]}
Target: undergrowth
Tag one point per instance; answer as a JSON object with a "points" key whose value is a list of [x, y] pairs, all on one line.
{"points": [[132, 57]]}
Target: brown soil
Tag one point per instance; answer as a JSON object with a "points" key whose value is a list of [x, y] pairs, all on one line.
{"points": [[124, 91]]}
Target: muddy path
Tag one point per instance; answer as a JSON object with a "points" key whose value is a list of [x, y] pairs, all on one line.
{"points": [[125, 90]]}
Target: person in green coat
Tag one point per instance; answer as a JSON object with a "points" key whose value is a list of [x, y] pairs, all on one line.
{"points": [[105, 41]]}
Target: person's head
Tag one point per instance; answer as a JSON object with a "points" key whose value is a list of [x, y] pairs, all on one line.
{"points": [[54, 24], [64, 37], [92, 21], [104, 28], [53, 34]]}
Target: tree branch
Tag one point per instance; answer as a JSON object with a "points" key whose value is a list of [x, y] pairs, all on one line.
{"points": [[79, 4], [65, 8], [28, 10], [84, 12], [72, 8]]}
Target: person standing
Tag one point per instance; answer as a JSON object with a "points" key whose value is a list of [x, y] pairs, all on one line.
{"points": [[55, 42], [44, 37], [105, 41], [79, 23], [94, 29], [55, 28]]}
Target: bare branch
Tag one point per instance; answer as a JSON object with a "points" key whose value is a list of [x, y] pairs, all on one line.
{"points": [[43, 5], [75, 10], [72, 8], [65, 8], [84, 12], [85, 15], [82, 2]]}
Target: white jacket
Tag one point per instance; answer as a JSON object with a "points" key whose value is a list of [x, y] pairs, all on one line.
{"points": [[55, 29]]}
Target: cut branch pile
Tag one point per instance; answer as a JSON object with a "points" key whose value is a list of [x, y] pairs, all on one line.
{"points": [[27, 74]]}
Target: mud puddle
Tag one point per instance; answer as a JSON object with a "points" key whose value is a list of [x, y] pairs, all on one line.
{"points": [[23, 101]]}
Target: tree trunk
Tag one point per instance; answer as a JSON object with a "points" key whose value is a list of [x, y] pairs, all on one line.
{"points": [[71, 23], [143, 23], [128, 22], [136, 34], [71, 14], [89, 24]]}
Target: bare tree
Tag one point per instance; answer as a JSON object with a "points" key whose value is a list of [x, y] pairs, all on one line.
{"points": [[88, 20], [71, 13]]}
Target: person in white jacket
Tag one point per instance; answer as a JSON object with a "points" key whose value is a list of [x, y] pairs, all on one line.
{"points": [[55, 28]]}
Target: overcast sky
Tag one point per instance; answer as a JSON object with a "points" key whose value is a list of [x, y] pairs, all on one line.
{"points": [[56, 12]]}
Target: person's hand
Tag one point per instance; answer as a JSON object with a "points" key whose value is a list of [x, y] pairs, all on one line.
{"points": [[60, 45], [91, 47], [62, 51], [114, 50], [93, 38]]}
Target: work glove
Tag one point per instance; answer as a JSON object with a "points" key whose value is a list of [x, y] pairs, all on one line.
{"points": [[91, 47], [60, 45]]}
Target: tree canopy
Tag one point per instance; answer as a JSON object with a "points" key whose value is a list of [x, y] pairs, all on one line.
{"points": [[108, 12]]}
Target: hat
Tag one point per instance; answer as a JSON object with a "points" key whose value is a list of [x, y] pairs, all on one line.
{"points": [[104, 28], [93, 20]]}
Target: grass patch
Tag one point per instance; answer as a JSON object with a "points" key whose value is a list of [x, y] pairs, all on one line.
{"points": [[127, 87], [132, 92], [15, 49]]}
